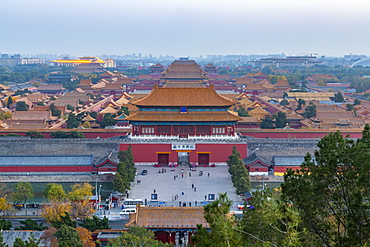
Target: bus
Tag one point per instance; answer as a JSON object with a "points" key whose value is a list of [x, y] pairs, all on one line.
{"points": [[131, 203]]}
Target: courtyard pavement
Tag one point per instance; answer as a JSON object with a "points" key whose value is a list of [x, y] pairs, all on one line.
{"points": [[166, 186]]}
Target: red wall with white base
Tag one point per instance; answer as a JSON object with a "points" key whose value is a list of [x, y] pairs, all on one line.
{"points": [[148, 152]]}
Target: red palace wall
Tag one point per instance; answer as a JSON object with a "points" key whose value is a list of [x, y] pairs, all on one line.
{"points": [[296, 133], [148, 152]]}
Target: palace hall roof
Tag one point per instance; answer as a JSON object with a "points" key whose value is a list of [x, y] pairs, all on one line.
{"points": [[170, 217], [184, 69], [184, 97], [183, 117], [180, 84]]}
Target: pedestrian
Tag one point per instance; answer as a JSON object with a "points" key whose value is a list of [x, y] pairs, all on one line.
{"points": [[189, 174], [173, 198], [179, 203], [208, 174], [196, 203], [192, 186], [205, 197], [189, 204], [182, 175], [195, 188], [182, 193], [174, 177], [154, 191]]}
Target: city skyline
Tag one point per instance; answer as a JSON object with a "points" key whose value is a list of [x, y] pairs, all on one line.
{"points": [[185, 28]]}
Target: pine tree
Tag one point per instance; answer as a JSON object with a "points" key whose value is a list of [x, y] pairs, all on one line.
{"points": [[239, 173], [68, 237], [332, 190]]}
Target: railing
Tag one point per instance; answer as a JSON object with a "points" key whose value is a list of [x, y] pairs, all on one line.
{"points": [[190, 137]]}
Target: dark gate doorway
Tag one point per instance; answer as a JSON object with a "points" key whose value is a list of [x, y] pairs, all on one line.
{"points": [[183, 158], [163, 159], [203, 159]]}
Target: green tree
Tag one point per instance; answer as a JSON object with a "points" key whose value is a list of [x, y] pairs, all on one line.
{"points": [[5, 224], [54, 110], [64, 134], [267, 123], [280, 120], [40, 103], [224, 230], [2, 243], [9, 101], [300, 103], [108, 120], [59, 134], [21, 106], [34, 134], [357, 102], [120, 182], [332, 190], [72, 121], [68, 237], [242, 112], [71, 108], [30, 224], [310, 110], [338, 97], [54, 192], [65, 220], [269, 221], [124, 109], [239, 173], [76, 134], [135, 237], [284, 102], [349, 107], [23, 192], [30, 242], [95, 223], [127, 158]]}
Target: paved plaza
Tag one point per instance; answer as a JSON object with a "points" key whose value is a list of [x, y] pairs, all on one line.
{"points": [[166, 186]]}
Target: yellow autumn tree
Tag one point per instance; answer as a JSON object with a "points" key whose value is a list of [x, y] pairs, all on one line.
{"points": [[79, 198], [82, 209], [86, 125], [56, 209], [5, 115], [80, 192], [85, 236], [4, 204]]}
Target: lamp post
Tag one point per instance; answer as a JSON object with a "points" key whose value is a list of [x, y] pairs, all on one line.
{"points": [[99, 198]]}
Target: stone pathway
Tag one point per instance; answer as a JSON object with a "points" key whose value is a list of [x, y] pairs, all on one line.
{"points": [[166, 187]]}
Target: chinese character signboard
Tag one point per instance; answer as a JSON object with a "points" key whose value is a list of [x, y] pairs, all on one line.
{"points": [[182, 146]]}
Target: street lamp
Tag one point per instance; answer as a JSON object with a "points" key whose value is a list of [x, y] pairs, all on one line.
{"points": [[99, 197]]}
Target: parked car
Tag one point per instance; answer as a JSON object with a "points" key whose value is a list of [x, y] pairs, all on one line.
{"points": [[144, 172]]}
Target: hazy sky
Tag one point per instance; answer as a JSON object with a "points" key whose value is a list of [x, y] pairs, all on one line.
{"points": [[185, 27]]}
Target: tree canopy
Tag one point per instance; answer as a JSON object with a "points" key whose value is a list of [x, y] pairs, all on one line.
{"points": [[332, 191], [239, 173], [23, 192]]}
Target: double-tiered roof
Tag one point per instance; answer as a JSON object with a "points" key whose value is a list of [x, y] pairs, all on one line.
{"points": [[168, 96]]}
